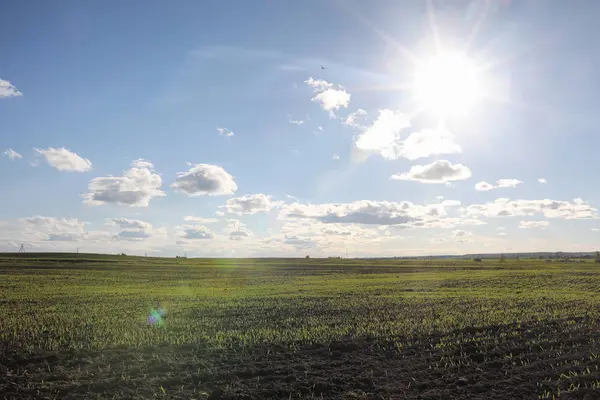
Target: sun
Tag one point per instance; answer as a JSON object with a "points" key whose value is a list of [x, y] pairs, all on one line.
{"points": [[448, 84]]}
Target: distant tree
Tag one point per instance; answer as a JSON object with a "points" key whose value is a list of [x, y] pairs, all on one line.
{"points": [[598, 257], [477, 259], [502, 258], [307, 257]]}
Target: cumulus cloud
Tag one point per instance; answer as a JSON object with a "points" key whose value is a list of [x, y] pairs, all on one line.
{"points": [[54, 229], [205, 179], [428, 142], [250, 204], [365, 212], [505, 183], [135, 188], [8, 90], [440, 171], [132, 229], [383, 136], [197, 233], [331, 96], [534, 224], [225, 132], [200, 220], [65, 160], [542, 180], [500, 183], [502, 207], [483, 186], [238, 230], [356, 119], [12, 155]]}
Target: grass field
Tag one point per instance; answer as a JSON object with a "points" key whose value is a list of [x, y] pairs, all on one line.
{"points": [[255, 329]]}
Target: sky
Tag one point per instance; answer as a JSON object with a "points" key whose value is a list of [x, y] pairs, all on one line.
{"points": [[321, 128]]}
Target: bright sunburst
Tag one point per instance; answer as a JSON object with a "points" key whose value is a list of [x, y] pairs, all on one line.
{"points": [[449, 84]]}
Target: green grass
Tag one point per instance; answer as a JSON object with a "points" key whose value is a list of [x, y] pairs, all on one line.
{"points": [[98, 302]]}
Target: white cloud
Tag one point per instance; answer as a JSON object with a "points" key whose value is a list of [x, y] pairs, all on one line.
{"points": [[8, 90], [356, 119], [250, 204], [500, 183], [483, 186], [369, 213], [296, 122], [54, 229], [196, 232], [595, 230], [205, 179], [502, 234], [11, 154], [505, 183], [200, 220], [219, 213], [225, 132], [238, 230], [135, 188], [331, 97], [534, 224], [132, 229], [335, 157], [503, 207], [428, 142], [383, 136], [440, 171], [65, 160], [542, 180]]}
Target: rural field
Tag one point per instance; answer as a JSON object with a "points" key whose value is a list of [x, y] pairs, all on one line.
{"points": [[109, 327]]}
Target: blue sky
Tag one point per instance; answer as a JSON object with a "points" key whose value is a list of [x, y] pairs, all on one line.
{"points": [[212, 129]]}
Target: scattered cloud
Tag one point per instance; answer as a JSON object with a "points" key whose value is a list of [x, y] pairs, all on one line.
{"points": [[225, 132], [250, 204], [440, 171], [54, 229], [506, 183], [296, 121], [383, 136], [356, 119], [534, 224], [335, 157], [205, 179], [200, 220], [65, 160], [369, 213], [12, 155], [483, 186], [542, 180], [501, 183], [595, 230], [331, 96], [502, 207], [131, 229], [428, 142], [8, 90], [238, 230], [135, 188], [502, 234], [197, 233], [296, 152]]}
